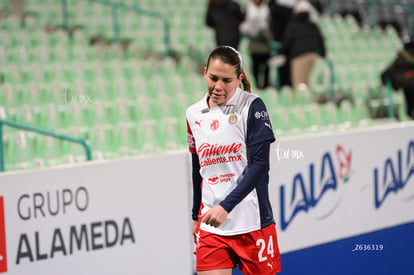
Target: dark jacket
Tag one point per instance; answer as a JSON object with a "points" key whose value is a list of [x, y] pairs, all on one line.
{"points": [[225, 19], [279, 17], [401, 74], [302, 36], [401, 71]]}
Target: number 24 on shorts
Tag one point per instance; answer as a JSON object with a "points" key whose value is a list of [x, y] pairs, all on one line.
{"points": [[265, 247]]}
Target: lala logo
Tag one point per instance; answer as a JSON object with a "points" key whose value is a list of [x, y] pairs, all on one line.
{"points": [[319, 191], [214, 125], [233, 118], [395, 176]]}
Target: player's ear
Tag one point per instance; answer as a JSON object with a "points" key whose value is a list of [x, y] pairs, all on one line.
{"points": [[240, 78], [205, 73]]}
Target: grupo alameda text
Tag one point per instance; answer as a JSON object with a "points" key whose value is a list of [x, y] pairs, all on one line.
{"points": [[63, 241]]}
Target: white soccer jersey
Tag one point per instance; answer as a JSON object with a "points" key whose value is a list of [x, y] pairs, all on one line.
{"points": [[221, 136]]}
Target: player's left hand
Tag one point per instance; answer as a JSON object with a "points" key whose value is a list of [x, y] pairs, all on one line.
{"points": [[215, 216]]}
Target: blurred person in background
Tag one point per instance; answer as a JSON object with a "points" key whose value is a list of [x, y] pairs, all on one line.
{"points": [[229, 137], [302, 44], [17, 9], [256, 27], [401, 74], [225, 17], [280, 13]]}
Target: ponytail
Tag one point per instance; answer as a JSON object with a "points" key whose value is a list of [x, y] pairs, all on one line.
{"points": [[245, 81]]}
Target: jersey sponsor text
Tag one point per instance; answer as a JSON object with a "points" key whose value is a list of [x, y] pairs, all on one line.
{"points": [[208, 150], [218, 160]]}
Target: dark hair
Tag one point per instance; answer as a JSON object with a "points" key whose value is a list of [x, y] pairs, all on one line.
{"points": [[231, 56], [213, 4]]}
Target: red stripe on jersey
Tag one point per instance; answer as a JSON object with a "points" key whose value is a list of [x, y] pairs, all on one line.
{"points": [[190, 140]]}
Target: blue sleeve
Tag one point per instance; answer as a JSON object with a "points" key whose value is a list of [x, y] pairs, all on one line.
{"points": [[259, 127], [257, 172], [259, 137], [197, 179]]}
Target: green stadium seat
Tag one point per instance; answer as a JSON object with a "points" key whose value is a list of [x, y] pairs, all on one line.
{"points": [[360, 115], [399, 102], [74, 152], [269, 97], [105, 141], [129, 142], [172, 134], [149, 138], [296, 118], [280, 120], [139, 100], [344, 112], [285, 96], [19, 151], [310, 112], [327, 114], [49, 151]]}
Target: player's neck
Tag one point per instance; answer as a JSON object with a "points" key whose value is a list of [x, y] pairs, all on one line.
{"points": [[212, 104]]}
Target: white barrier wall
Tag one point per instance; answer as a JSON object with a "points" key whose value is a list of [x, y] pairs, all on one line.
{"points": [[133, 216], [327, 188], [124, 217]]}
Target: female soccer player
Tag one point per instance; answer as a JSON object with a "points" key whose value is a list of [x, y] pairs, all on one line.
{"points": [[229, 137]]}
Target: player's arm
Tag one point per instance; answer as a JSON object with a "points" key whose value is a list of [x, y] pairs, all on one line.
{"points": [[197, 179], [259, 168], [259, 137]]}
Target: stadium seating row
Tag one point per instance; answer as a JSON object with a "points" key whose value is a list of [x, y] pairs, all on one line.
{"points": [[124, 103]]}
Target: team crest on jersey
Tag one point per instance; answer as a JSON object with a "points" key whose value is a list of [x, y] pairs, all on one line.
{"points": [[233, 118], [214, 125]]}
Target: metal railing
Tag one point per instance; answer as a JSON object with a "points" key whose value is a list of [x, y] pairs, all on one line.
{"points": [[329, 62], [370, 7], [116, 6], [390, 105], [373, 15], [43, 131]]}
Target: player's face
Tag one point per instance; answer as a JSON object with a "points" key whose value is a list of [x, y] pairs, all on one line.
{"points": [[222, 81]]}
